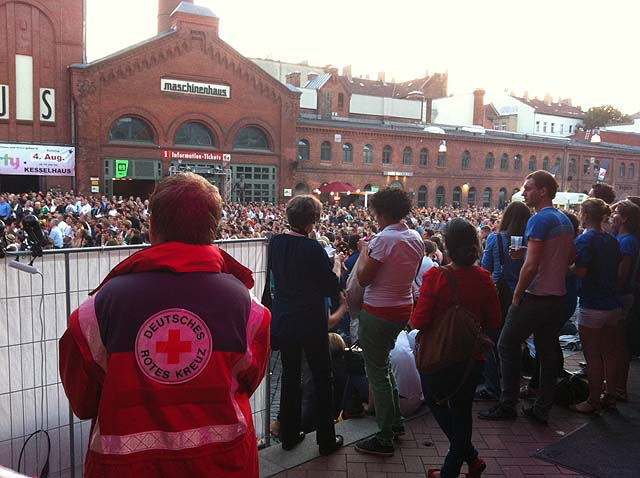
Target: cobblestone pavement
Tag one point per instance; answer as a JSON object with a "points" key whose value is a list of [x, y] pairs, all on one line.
{"points": [[506, 447]]}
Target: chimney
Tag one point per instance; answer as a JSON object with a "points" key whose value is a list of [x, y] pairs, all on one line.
{"points": [[381, 76], [548, 99], [525, 95], [165, 7], [566, 101], [346, 71], [312, 75], [478, 107], [293, 78], [429, 110]]}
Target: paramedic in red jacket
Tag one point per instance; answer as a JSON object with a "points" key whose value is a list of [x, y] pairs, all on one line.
{"points": [[165, 354]]}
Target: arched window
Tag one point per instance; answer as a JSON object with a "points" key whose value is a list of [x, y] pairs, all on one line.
{"points": [[486, 197], [504, 162], [440, 197], [302, 188], [251, 137], [572, 166], [303, 150], [517, 162], [386, 155], [422, 196], [556, 167], [489, 160], [368, 154], [325, 151], [632, 170], [442, 159], [194, 134], [457, 196], [424, 157], [622, 170], [407, 155], [347, 152], [545, 163], [533, 163], [396, 185], [471, 197], [132, 129], [368, 187], [466, 160], [502, 198]]}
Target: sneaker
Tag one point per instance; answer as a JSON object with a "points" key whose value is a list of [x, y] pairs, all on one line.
{"points": [[372, 446], [501, 411], [586, 408], [608, 402], [327, 450], [528, 393], [483, 395], [288, 446], [398, 431], [476, 467], [532, 414]]}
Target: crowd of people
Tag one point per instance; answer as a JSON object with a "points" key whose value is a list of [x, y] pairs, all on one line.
{"points": [[352, 290], [74, 221]]}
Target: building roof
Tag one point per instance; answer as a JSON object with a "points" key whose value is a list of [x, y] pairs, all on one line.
{"points": [[555, 109], [190, 8], [361, 86], [124, 50], [318, 82]]}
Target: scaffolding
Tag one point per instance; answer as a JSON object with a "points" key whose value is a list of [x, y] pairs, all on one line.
{"points": [[206, 170]]}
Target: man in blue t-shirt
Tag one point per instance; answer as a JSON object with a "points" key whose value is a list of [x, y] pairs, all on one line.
{"points": [[538, 301]]}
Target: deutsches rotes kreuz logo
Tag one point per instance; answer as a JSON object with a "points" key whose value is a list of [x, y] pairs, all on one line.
{"points": [[173, 346]]}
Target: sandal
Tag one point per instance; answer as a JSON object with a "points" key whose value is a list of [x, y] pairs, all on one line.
{"points": [[587, 407], [608, 401]]}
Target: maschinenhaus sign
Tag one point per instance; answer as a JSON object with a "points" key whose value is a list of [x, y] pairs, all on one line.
{"points": [[195, 88]]}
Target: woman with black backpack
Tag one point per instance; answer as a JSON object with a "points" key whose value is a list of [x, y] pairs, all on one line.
{"points": [[449, 391]]}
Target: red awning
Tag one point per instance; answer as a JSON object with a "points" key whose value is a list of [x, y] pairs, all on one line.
{"points": [[338, 187]]}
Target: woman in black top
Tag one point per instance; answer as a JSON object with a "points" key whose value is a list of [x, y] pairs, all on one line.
{"points": [[303, 276]]}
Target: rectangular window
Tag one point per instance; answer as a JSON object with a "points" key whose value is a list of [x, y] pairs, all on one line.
{"points": [[561, 128], [544, 127], [570, 128], [553, 127], [340, 100], [24, 87], [253, 183], [537, 126]]}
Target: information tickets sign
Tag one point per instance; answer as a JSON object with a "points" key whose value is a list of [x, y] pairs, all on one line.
{"points": [[37, 160]]}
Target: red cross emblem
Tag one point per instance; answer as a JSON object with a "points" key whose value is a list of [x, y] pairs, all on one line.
{"points": [[173, 346]]}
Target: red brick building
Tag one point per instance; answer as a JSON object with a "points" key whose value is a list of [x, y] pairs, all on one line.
{"points": [[38, 40], [183, 100], [477, 168]]}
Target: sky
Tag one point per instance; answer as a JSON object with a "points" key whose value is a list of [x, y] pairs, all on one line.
{"points": [[585, 50]]}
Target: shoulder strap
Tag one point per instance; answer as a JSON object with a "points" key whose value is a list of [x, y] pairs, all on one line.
{"points": [[451, 279], [501, 249]]}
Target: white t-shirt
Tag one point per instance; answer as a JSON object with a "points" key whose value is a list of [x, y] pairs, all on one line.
{"points": [[400, 250], [427, 264], [403, 365]]}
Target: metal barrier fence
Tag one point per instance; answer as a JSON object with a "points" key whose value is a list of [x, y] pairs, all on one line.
{"points": [[33, 316]]}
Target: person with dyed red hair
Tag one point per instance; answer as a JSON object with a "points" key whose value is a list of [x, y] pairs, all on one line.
{"points": [[165, 354]]}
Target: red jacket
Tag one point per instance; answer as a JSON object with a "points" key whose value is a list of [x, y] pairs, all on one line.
{"points": [[163, 359]]}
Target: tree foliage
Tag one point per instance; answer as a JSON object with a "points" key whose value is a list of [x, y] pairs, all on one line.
{"points": [[599, 116]]}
